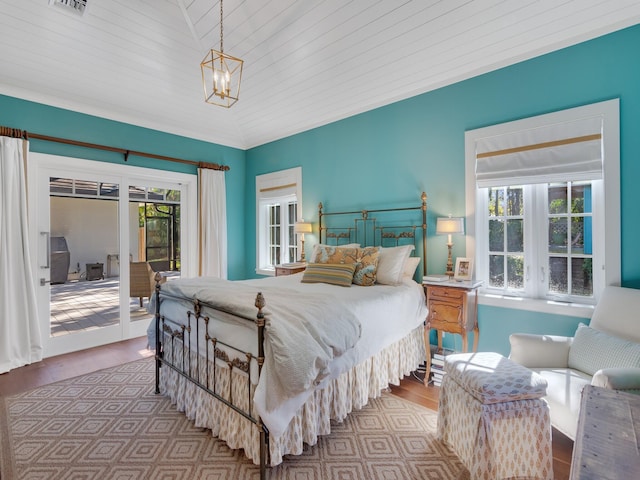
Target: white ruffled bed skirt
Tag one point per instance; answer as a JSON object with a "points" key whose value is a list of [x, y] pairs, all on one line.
{"points": [[350, 391]]}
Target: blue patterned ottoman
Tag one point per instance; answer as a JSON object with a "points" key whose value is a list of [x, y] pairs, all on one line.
{"points": [[492, 415]]}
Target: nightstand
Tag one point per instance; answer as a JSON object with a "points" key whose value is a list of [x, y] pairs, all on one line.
{"points": [[289, 269], [453, 308]]}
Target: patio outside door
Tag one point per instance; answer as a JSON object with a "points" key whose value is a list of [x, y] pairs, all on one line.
{"points": [[86, 220], [154, 242]]}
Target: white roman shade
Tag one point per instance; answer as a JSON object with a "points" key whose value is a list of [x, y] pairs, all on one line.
{"points": [[545, 154], [278, 191]]}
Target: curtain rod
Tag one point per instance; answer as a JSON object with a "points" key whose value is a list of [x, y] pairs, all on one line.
{"points": [[17, 133]]}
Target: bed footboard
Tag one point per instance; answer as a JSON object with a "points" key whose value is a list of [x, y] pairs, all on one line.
{"points": [[176, 342]]}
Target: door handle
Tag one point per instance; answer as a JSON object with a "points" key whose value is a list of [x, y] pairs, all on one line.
{"points": [[43, 282], [46, 234]]}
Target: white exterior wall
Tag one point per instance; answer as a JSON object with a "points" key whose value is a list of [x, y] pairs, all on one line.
{"points": [[90, 228]]}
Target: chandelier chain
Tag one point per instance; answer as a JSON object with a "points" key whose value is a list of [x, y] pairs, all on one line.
{"points": [[221, 41]]}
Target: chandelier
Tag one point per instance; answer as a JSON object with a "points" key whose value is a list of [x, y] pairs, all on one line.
{"points": [[221, 74]]}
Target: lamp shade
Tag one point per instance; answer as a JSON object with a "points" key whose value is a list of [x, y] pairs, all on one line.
{"points": [[449, 225], [303, 227]]}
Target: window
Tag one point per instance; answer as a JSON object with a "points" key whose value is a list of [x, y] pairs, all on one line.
{"points": [[278, 197], [569, 255], [557, 262], [281, 217], [544, 193], [506, 237]]}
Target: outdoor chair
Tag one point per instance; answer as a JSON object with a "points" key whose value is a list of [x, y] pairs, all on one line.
{"points": [[141, 280]]}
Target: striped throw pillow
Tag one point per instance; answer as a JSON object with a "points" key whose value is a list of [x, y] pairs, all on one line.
{"points": [[332, 273]]}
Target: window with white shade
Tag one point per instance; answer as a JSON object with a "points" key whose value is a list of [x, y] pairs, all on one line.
{"points": [[543, 204], [278, 201]]}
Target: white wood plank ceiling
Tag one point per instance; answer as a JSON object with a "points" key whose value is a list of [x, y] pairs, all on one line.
{"points": [[307, 62]]}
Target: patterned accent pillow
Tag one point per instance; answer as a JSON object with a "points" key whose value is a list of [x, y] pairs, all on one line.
{"points": [[320, 249], [367, 266], [332, 273], [366, 261], [593, 350], [331, 254]]}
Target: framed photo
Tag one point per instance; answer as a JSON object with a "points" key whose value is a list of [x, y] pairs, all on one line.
{"points": [[464, 269]]}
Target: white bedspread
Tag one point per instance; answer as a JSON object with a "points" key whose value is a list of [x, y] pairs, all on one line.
{"points": [[324, 332], [304, 330]]}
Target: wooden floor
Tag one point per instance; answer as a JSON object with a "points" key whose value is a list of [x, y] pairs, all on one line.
{"points": [[79, 363]]}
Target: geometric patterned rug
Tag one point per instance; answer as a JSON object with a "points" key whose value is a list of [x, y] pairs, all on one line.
{"points": [[109, 425]]}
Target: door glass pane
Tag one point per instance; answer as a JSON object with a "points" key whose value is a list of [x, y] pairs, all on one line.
{"points": [[83, 187], [109, 190], [154, 242], [158, 233], [60, 185], [84, 263]]}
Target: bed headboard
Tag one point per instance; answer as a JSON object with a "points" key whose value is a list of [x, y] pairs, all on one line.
{"points": [[385, 227]]}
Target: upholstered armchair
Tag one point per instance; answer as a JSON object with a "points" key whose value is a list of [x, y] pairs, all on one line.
{"points": [[606, 354], [141, 280]]}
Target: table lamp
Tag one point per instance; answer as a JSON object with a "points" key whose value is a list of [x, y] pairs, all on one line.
{"points": [[449, 226], [301, 228]]}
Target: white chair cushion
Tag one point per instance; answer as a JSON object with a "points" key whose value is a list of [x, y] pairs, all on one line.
{"points": [[539, 351], [564, 392]]}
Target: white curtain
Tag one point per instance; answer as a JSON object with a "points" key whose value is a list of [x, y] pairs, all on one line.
{"points": [[213, 223], [20, 339]]}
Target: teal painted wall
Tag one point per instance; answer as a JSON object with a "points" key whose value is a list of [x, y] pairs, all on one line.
{"points": [[389, 155], [57, 122]]}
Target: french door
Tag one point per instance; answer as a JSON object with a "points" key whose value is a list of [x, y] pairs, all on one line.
{"points": [[88, 241]]}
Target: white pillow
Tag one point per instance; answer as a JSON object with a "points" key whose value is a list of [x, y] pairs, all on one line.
{"points": [[317, 246], [391, 264], [410, 266]]}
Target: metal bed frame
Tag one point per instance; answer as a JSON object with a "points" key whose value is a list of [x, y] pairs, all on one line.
{"points": [[199, 374]]}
